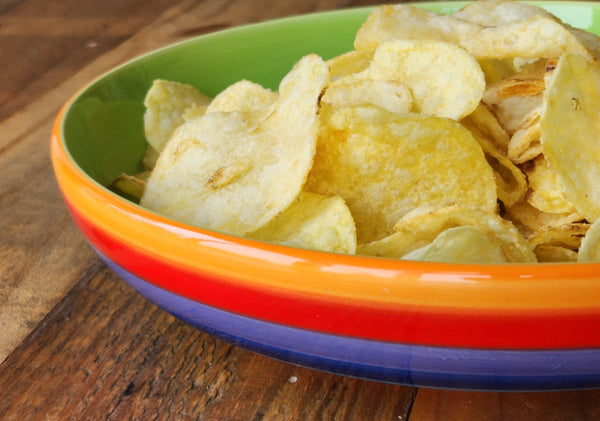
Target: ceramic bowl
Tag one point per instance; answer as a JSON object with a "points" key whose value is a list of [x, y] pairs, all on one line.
{"points": [[500, 327]]}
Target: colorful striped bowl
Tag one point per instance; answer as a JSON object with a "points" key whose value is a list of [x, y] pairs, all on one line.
{"points": [[500, 327]]}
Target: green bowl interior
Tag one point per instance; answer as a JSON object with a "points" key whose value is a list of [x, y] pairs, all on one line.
{"points": [[103, 126]]}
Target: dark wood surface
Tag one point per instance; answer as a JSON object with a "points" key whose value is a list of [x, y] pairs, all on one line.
{"points": [[78, 343]]}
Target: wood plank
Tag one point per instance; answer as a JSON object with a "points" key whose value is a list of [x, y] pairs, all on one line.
{"points": [[448, 405], [106, 353]]}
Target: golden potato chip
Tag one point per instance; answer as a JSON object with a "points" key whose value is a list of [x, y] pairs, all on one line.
{"points": [[525, 143], [423, 225], [466, 244], [389, 95], [234, 172], [535, 37], [496, 69], [445, 80], [348, 63], [554, 254], [132, 185], [510, 181], [385, 164], [570, 133], [486, 123], [243, 96], [590, 245], [545, 193], [567, 236], [166, 102], [315, 222], [529, 219]]}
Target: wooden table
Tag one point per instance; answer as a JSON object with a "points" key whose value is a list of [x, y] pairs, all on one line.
{"points": [[78, 343]]}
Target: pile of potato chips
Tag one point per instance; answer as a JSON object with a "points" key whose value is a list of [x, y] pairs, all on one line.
{"points": [[472, 137]]}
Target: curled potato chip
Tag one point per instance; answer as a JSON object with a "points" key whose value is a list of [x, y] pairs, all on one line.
{"points": [[570, 133], [567, 236], [243, 96], [315, 222], [423, 225], [389, 95], [466, 244], [513, 100], [444, 79], [530, 219], [554, 254], [535, 37], [590, 245], [545, 193], [525, 142], [234, 172], [385, 164], [510, 181], [166, 102]]}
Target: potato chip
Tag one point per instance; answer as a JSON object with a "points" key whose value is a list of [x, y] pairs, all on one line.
{"points": [[529, 219], [243, 96], [465, 244], [166, 102], [567, 236], [510, 181], [535, 37], [348, 63], [554, 254], [150, 157], [385, 164], [570, 132], [513, 100], [500, 12], [486, 123], [590, 245], [423, 225], [545, 193], [314, 222], [234, 172], [389, 95], [525, 143], [444, 80]]}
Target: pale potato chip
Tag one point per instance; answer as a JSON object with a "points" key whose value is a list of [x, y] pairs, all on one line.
{"points": [[243, 96], [166, 102], [590, 245], [445, 81], [545, 193], [513, 100], [315, 222], [234, 172], [497, 69], [424, 224], [466, 244], [348, 63], [150, 157], [535, 37], [389, 95], [570, 133], [500, 12], [385, 164]]}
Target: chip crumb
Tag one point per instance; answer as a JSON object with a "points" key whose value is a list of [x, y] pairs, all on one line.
{"points": [[293, 379]]}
